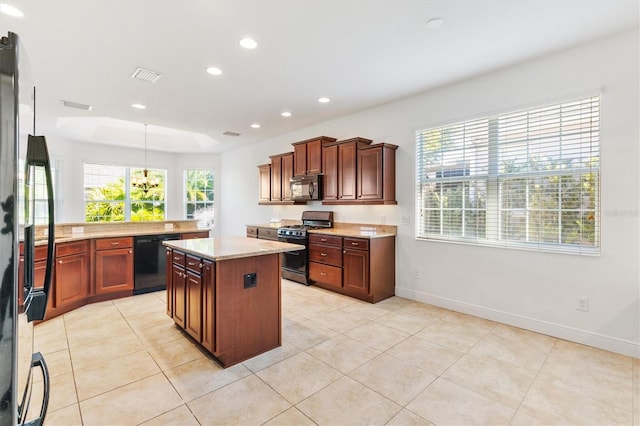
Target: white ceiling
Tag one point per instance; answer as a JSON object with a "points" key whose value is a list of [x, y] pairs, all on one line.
{"points": [[359, 53]]}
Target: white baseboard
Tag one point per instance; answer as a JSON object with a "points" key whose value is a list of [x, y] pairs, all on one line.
{"points": [[612, 344]]}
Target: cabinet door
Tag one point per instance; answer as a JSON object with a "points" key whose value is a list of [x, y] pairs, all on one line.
{"points": [[208, 306], [264, 192], [114, 270], [356, 270], [71, 279], [287, 174], [330, 160], [314, 157], [300, 159], [347, 157], [193, 320], [169, 275], [179, 304], [276, 178], [370, 174]]}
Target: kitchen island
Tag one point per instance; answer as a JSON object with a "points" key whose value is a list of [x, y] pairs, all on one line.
{"points": [[225, 293]]}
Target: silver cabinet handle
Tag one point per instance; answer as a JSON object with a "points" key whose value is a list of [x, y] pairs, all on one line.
{"points": [[130, 251], [191, 263], [201, 265], [176, 257], [115, 243], [324, 240], [355, 244], [60, 261], [323, 254], [324, 274]]}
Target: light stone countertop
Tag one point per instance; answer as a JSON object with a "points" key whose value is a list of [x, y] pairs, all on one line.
{"points": [[225, 248], [342, 229], [355, 232]]}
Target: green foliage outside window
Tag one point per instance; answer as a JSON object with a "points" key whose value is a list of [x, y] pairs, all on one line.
{"points": [[106, 199]]}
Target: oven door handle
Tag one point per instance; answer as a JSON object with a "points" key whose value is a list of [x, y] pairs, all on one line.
{"points": [[295, 253]]}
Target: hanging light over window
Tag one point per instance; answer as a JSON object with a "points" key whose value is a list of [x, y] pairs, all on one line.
{"points": [[144, 182]]}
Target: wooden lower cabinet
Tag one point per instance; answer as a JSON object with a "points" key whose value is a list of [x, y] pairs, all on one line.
{"points": [[217, 309], [208, 306], [113, 265], [356, 270], [39, 270], [169, 269], [179, 285], [365, 268], [193, 316], [71, 277]]}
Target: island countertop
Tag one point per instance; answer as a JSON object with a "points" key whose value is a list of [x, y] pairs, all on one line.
{"points": [[225, 248]]}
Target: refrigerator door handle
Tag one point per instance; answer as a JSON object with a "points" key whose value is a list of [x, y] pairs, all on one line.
{"points": [[38, 155], [37, 360]]}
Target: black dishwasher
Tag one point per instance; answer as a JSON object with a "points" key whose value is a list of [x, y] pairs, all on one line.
{"points": [[150, 262]]}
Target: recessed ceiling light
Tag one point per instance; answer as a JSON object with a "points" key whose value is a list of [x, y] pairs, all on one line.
{"points": [[255, 125], [286, 114], [434, 23], [7, 9], [324, 100], [214, 70], [138, 106], [248, 43]]}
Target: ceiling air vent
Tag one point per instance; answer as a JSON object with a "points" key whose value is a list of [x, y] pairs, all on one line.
{"points": [[146, 75], [77, 105], [229, 133]]}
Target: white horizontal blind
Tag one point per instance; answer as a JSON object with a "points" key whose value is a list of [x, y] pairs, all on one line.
{"points": [[527, 179]]}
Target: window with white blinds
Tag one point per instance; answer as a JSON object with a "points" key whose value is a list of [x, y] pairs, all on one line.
{"points": [[526, 179]]}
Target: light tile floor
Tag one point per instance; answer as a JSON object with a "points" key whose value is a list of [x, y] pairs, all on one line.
{"points": [[342, 362]]}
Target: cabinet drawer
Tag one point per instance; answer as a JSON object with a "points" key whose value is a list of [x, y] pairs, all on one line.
{"points": [[193, 235], [325, 254], [252, 231], [113, 243], [330, 240], [194, 264], [178, 258], [268, 234], [66, 249], [356, 243], [329, 275]]}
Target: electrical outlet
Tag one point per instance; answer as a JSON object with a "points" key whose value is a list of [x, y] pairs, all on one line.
{"points": [[416, 274], [583, 304], [168, 226], [404, 220], [383, 220]]}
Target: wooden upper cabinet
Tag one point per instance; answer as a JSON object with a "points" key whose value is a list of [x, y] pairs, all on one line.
{"points": [[276, 178], [314, 157], [279, 182], [300, 159], [330, 160], [264, 192], [347, 167], [347, 157], [308, 156], [287, 174], [376, 173]]}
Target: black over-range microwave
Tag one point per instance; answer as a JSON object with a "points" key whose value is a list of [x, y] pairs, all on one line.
{"points": [[304, 188]]}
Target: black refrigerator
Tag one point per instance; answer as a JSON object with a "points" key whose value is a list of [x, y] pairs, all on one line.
{"points": [[22, 302]]}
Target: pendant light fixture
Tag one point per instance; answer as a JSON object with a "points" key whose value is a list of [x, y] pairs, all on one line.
{"points": [[145, 182]]}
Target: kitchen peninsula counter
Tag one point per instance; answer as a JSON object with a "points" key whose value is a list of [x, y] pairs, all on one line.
{"points": [[226, 294]]}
